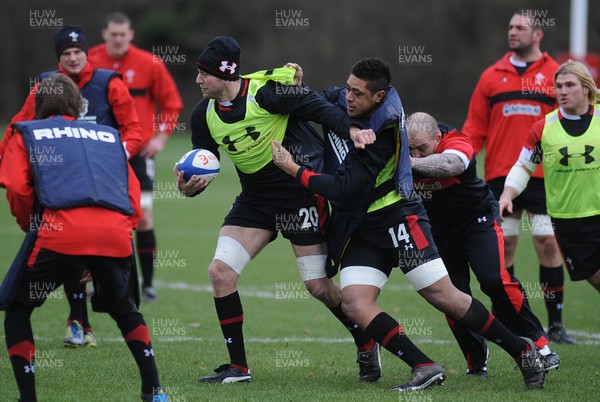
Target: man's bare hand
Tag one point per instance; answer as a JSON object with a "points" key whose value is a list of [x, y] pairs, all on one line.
{"points": [[298, 75], [283, 159], [154, 146], [362, 138], [192, 186], [505, 201]]}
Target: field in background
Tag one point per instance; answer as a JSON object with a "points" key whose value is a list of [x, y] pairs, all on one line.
{"points": [[296, 349]]}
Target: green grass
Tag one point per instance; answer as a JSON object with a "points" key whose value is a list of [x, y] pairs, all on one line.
{"points": [[296, 349]]}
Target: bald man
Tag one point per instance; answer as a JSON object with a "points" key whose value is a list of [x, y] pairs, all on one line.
{"points": [[466, 228]]}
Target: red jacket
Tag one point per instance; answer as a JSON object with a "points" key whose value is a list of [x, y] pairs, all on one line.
{"points": [[503, 107], [92, 230], [149, 84], [118, 97]]}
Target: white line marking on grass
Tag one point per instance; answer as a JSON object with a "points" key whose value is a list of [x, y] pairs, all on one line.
{"points": [[208, 289], [584, 334], [248, 340], [294, 340], [249, 291], [589, 338], [592, 339]]}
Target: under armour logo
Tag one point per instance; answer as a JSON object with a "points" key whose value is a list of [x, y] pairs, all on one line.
{"points": [[228, 340], [408, 246], [498, 341], [249, 133], [559, 306], [566, 155], [400, 353], [482, 219], [226, 66], [29, 369], [74, 36], [149, 352], [77, 296]]}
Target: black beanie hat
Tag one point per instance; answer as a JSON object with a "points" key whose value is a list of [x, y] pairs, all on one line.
{"points": [[221, 58], [69, 36]]}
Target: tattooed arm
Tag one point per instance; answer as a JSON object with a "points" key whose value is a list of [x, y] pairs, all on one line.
{"points": [[439, 165]]}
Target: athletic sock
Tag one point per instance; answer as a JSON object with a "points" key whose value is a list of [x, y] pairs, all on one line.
{"points": [[85, 321], [389, 334], [136, 335], [361, 340], [231, 319], [21, 348], [480, 320], [552, 281], [77, 299], [471, 344], [146, 248]]}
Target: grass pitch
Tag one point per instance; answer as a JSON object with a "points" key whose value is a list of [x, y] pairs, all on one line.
{"points": [[297, 351]]}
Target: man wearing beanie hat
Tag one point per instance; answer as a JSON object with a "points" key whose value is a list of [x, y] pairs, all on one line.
{"points": [[242, 115], [221, 58], [69, 36], [107, 97], [106, 101]]}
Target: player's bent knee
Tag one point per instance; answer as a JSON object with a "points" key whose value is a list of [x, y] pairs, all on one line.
{"points": [[510, 226], [427, 274], [111, 306], [221, 274], [491, 279], [18, 311], [362, 275], [445, 297], [594, 280], [319, 288], [312, 267], [546, 244], [350, 308], [232, 253]]}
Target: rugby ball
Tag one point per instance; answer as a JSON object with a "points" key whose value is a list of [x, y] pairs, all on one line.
{"points": [[199, 162]]}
